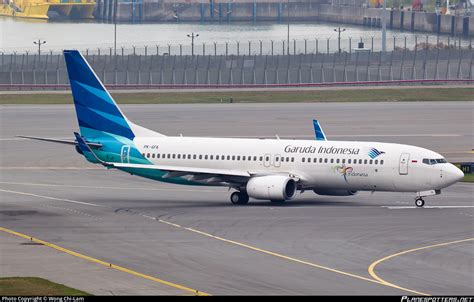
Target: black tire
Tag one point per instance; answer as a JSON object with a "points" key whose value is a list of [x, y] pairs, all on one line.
{"points": [[239, 198], [419, 202]]}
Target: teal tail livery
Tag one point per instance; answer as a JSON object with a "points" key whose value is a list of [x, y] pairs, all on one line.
{"points": [[267, 169]]}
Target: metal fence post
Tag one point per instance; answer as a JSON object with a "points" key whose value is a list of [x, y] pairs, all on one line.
{"points": [[305, 46], [250, 43], [157, 49], [226, 48], [261, 46], [215, 48], [328, 45], [238, 48], [180, 49]]}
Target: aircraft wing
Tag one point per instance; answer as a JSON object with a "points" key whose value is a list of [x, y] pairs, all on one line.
{"points": [[194, 174]]}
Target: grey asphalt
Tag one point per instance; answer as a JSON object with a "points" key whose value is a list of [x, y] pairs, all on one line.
{"points": [[312, 245]]}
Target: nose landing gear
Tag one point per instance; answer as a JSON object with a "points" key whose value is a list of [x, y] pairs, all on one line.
{"points": [[419, 202]]}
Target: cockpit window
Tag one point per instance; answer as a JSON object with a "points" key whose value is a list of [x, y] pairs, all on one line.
{"points": [[431, 161]]}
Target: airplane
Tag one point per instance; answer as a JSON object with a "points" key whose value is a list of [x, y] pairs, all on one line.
{"points": [[265, 169]]}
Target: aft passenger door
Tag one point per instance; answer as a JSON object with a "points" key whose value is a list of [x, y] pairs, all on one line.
{"points": [[125, 154], [403, 166]]}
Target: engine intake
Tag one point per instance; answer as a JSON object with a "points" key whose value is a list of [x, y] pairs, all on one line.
{"points": [[271, 187]]}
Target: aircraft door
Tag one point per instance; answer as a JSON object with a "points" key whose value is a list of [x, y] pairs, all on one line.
{"points": [[403, 166], [125, 154]]}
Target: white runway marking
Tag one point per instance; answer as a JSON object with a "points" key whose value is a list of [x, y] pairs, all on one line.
{"points": [[52, 198], [426, 207]]}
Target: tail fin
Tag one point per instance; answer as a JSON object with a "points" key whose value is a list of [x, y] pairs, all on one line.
{"points": [[97, 112]]}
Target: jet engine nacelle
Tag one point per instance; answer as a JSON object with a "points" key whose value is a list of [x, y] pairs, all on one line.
{"points": [[331, 192], [271, 187]]}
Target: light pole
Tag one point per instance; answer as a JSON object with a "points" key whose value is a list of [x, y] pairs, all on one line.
{"points": [[339, 31], [115, 27], [39, 43], [288, 31], [384, 29], [192, 36]]}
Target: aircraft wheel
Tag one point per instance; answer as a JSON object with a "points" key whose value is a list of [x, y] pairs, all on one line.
{"points": [[419, 202], [239, 198]]}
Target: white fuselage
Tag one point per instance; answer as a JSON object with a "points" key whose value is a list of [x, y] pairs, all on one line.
{"points": [[342, 165]]}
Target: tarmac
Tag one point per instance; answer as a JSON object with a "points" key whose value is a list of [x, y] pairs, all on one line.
{"points": [[167, 239]]}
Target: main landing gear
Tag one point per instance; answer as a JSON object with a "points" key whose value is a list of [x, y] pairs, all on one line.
{"points": [[239, 198]]}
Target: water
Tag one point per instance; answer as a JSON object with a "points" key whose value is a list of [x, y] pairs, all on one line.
{"points": [[17, 35]]}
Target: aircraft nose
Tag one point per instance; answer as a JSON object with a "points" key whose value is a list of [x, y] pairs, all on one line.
{"points": [[453, 174]]}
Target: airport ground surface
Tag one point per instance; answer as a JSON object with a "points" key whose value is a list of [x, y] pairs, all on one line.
{"points": [[194, 237]]}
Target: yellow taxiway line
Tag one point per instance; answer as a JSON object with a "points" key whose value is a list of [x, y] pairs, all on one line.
{"points": [[109, 265], [371, 268]]}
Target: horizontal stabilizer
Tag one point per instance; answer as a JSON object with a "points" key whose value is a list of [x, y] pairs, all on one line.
{"points": [[60, 141]]}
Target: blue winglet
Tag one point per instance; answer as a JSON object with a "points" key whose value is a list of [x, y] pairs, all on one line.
{"points": [[318, 131]]}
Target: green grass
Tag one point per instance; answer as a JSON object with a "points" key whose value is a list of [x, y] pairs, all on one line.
{"points": [[32, 286], [352, 95], [468, 178]]}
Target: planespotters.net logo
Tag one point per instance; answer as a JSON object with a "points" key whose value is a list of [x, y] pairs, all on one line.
{"points": [[373, 153]]}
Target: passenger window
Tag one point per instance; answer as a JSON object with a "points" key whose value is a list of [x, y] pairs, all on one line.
{"points": [[228, 157], [303, 159], [292, 159], [288, 159], [238, 157], [315, 160], [370, 162], [148, 155], [332, 160], [337, 161], [169, 155], [376, 161], [194, 156], [360, 161], [233, 157], [261, 158], [153, 155], [200, 156], [349, 161], [267, 158], [255, 158], [320, 160], [365, 162], [179, 156], [158, 155], [205, 156], [243, 157], [325, 160], [343, 160], [381, 161]]}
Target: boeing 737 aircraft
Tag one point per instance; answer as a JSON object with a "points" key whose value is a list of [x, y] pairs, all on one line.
{"points": [[269, 169]]}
